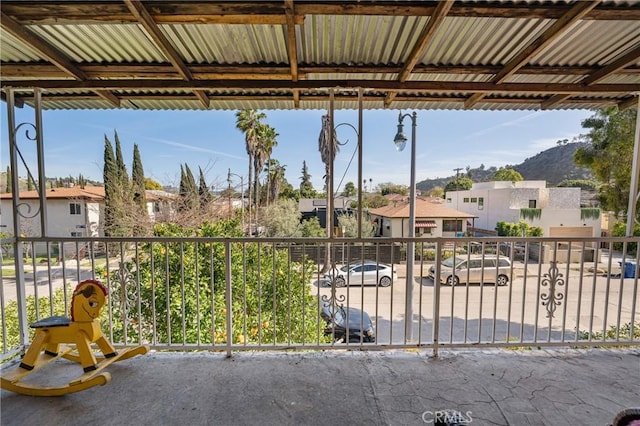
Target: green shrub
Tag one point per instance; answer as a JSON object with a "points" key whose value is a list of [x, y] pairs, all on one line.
{"points": [[183, 283], [620, 230], [60, 307]]}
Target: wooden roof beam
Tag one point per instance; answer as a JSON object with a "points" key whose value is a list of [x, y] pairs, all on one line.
{"points": [[291, 38], [41, 47], [628, 103], [270, 12], [421, 45], [377, 97], [139, 11], [279, 72], [577, 12], [50, 53], [292, 49], [487, 88], [631, 57]]}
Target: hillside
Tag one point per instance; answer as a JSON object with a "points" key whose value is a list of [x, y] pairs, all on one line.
{"points": [[553, 165]]}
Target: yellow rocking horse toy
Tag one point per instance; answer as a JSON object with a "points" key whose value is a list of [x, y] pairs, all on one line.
{"points": [[81, 330]]}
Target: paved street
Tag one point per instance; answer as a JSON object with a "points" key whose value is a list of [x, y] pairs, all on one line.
{"points": [[473, 313]]}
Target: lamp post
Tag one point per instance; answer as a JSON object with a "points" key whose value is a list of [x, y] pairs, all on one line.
{"points": [[241, 195], [401, 140]]}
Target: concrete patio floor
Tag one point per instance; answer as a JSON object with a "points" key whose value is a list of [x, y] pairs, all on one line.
{"points": [[489, 387]]}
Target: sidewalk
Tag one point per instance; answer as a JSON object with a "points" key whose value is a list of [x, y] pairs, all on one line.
{"points": [[489, 387]]}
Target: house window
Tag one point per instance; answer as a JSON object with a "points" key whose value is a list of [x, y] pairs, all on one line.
{"points": [[156, 207], [423, 231], [452, 225], [465, 200], [480, 203], [532, 204], [74, 208], [474, 200], [76, 234]]}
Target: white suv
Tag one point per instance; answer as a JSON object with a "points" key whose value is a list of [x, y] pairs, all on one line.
{"points": [[473, 269]]}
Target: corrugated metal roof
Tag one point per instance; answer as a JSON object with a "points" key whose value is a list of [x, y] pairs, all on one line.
{"points": [[342, 43]]}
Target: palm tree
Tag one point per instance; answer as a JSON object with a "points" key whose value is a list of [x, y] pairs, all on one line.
{"points": [[248, 121], [275, 176], [328, 146], [264, 146], [267, 141]]}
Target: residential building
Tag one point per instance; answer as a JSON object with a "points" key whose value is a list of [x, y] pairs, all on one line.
{"points": [[73, 211], [556, 210], [317, 207], [433, 219]]}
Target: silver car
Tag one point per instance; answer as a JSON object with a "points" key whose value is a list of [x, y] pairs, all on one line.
{"points": [[473, 269], [360, 273]]}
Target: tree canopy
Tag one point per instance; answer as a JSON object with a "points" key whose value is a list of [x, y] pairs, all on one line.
{"points": [[391, 188], [349, 190], [461, 183], [508, 174], [609, 154], [306, 187]]}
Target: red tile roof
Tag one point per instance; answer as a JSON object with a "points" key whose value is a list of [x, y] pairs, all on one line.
{"points": [[88, 192]]}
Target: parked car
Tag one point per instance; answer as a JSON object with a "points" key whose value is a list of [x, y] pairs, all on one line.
{"points": [[339, 319], [367, 272], [474, 269]]}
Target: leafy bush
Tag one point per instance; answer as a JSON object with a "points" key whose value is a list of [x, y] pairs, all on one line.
{"points": [[579, 183], [620, 230], [521, 229], [589, 213], [182, 292], [44, 309], [622, 333]]}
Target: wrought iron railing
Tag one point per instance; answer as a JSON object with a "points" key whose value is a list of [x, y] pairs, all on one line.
{"points": [[233, 294]]}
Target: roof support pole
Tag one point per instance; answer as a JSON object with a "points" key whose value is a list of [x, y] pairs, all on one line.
{"points": [[332, 154], [18, 245], [634, 193], [42, 180], [360, 91]]}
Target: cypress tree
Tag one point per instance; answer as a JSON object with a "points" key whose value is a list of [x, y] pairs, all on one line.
{"points": [[183, 189], [8, 187], [110, 178], [203, 190], [191, 188], [137, 177], [122, 168]]}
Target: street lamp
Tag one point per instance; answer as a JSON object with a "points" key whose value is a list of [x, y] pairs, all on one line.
{"points": [[401, 140], [241, 195]]}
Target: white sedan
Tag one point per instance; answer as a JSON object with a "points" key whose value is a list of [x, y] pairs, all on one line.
{"points": [[361, 273]]}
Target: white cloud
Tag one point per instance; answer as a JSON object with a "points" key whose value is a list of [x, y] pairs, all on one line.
{"points": [[196, 148], [509, 123]]}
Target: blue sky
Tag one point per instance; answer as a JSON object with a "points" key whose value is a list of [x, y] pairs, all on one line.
{"points": [[74, 142]]}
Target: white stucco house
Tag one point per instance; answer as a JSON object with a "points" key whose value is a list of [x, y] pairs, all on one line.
{"points": [[556, 210], [434, 218], [73, 211]]}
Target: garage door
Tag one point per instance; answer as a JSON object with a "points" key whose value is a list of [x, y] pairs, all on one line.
{"points": [[571, 231]]}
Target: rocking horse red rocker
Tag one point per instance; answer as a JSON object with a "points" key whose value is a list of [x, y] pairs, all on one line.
{"points": [[54, 333]]}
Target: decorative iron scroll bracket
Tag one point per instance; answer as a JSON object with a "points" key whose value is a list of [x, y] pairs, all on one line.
{"points": [[333, 299], [25, 209], [554, 297]]}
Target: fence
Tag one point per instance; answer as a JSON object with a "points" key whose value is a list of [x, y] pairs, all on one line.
{"points": [[232, 294]]}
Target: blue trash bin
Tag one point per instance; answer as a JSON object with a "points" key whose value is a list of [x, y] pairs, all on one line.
{"points": [[629, 269]]}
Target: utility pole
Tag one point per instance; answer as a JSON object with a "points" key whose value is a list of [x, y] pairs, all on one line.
{"points": [[457, 170]]}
